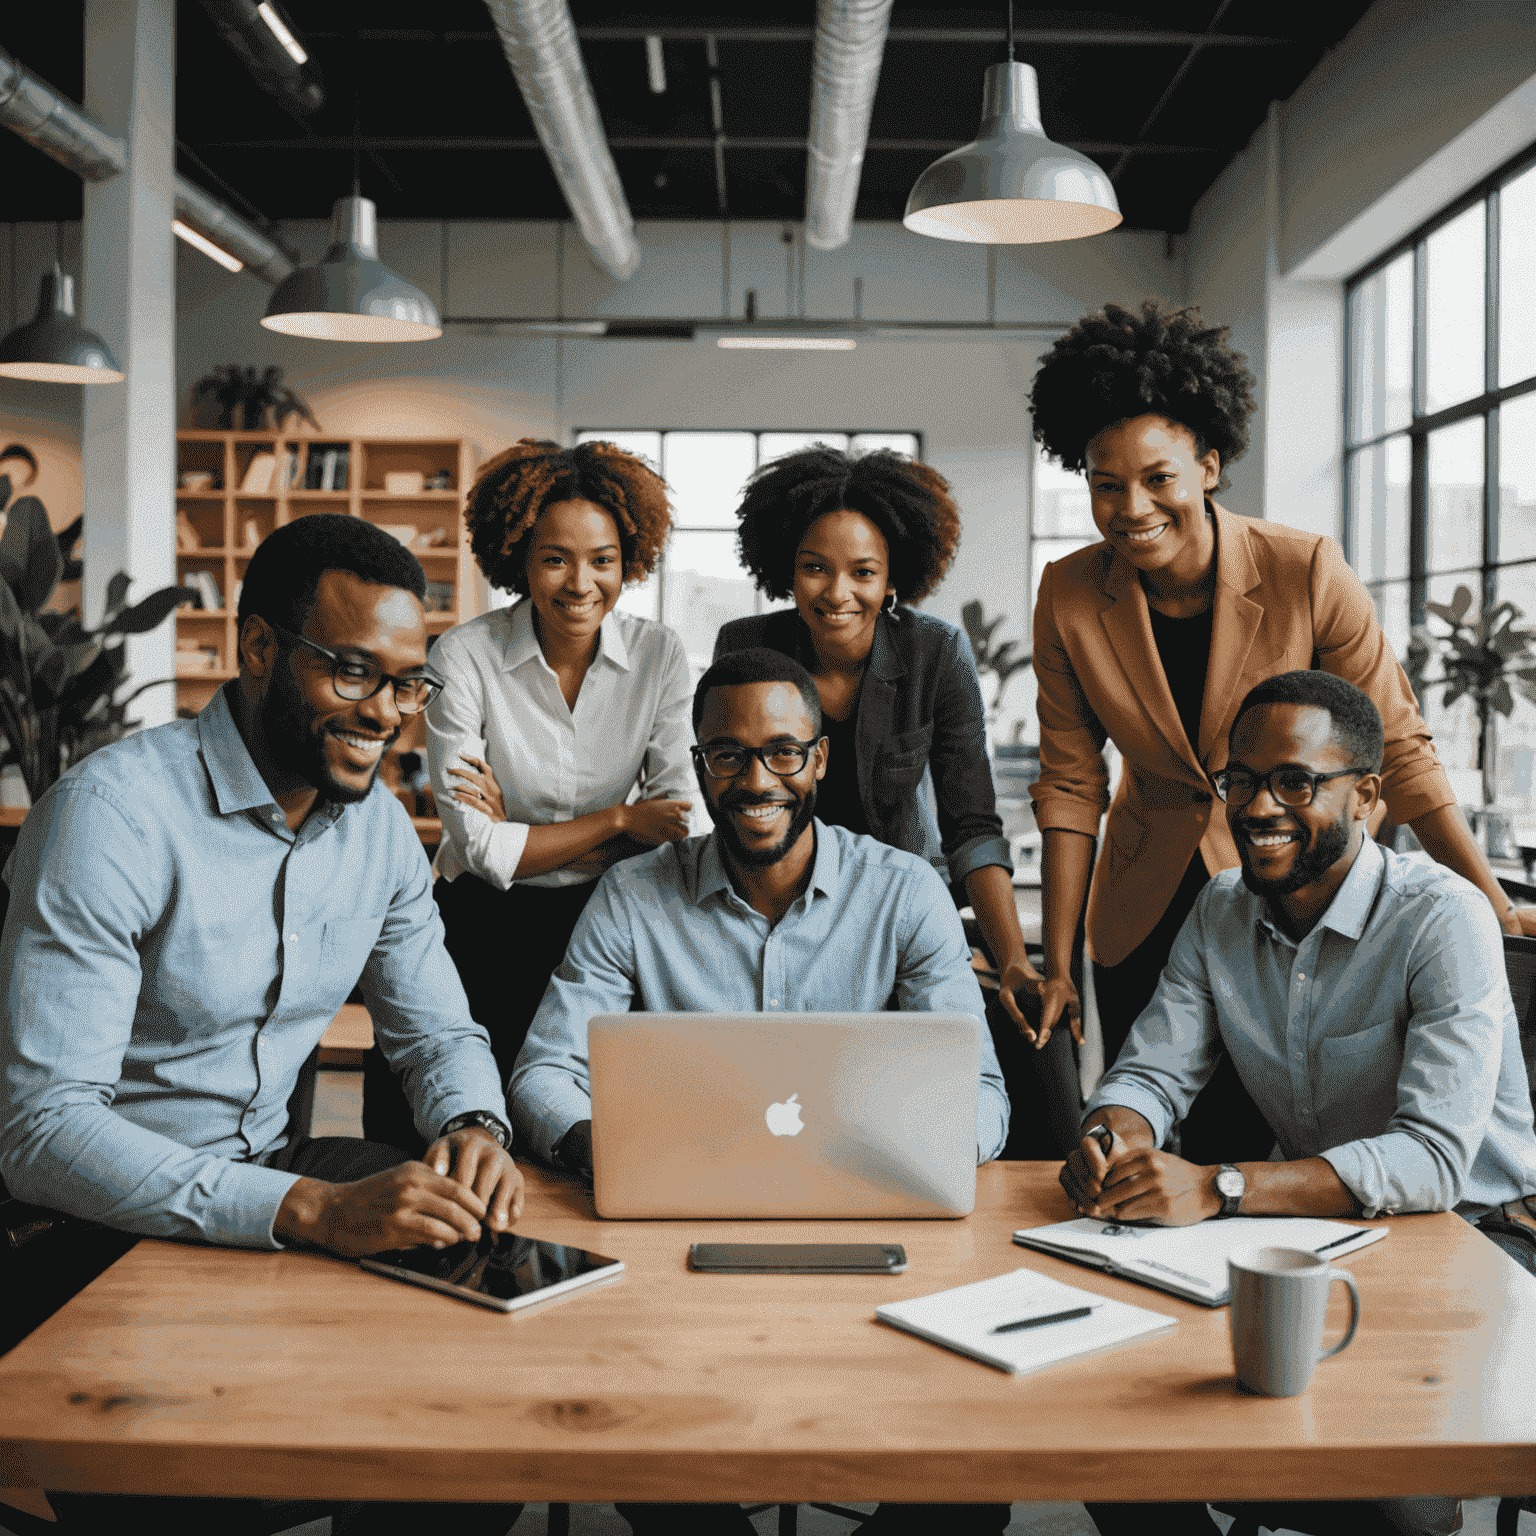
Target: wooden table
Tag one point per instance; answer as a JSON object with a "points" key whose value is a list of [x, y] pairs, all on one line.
{"points": [[207, 1371]]}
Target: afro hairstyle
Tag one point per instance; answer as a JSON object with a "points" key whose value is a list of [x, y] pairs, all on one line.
{"points": [[1115, 365], [286, 568], [1356, 720], [513, 488], [907, 501]]}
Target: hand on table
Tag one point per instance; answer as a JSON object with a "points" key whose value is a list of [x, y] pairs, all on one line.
{"points": [[654, 822], [1138, 1184], [411, 1204], [479, 791]]}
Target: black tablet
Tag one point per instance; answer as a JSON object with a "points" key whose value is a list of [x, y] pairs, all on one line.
{"points": [[506, 1272]]}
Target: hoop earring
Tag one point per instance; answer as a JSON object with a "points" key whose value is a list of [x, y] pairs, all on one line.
{"points": [[888, 607]]}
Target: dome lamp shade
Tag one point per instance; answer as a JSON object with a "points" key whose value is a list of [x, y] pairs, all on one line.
{"points": [[349, 294], [1012, 186], [55, 348]]}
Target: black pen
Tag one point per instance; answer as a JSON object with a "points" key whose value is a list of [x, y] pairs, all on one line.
{"points": [[1040, 1322], [1339, 1242]]}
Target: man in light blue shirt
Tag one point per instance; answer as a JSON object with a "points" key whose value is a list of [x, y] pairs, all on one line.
{"points": [[1363, 1000], [773, 911]]}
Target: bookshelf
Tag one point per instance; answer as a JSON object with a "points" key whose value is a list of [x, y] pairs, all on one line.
{"points": [[220, 520]]}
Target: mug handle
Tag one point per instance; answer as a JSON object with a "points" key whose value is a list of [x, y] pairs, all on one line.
{"points": [[1354, 1311]]}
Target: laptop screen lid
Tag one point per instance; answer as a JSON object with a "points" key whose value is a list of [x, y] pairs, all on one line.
{"points": [[784, 1115]]}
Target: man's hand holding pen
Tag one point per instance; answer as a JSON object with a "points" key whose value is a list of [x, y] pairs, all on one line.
{"points": [[1117, 1174]]}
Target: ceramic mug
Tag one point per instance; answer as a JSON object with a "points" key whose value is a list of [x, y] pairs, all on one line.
{"points": [[1279, 1300]]}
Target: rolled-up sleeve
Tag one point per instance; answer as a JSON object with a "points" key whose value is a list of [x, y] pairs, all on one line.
{"points": [[668, 766], [970, 830], [1350, 644], [420, 1014], [1072, 792], [1452, 1052], [1175, 1044], [934, 975], [456, 727], [551, 1084], [70, 961]]}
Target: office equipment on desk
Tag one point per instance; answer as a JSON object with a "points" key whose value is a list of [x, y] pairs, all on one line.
{"points": [[801, 1115], [1190, 1261], [504, 1271], [1003, 1321], [798, 1258]]}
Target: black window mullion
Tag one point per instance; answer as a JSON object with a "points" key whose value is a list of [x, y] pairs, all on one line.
{"points": [[1418, 540], [1420, 329]]}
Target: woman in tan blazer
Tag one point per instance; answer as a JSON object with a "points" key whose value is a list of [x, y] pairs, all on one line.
{"points": [[1151, 639]]}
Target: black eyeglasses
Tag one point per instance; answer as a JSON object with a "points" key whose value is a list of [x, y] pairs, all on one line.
{"points": [[355, 679], [728, 761], [1288, 786]]}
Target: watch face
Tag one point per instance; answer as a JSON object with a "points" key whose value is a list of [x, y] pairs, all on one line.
{"points": [[1230, 1182]]}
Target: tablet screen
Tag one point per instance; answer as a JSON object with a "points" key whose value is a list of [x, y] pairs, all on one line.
{"points": [[503, 1267]]}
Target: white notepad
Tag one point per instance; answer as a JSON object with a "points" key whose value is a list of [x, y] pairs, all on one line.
{"points": [[1192, 1261], [962, 1319]]}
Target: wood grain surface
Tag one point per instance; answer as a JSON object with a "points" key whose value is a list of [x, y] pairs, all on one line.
{"points": [[209, 1371]]}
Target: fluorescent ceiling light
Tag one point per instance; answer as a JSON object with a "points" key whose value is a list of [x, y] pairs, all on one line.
{"points": [[281, 33], [783, 343], [206, 246], [655, 66]]}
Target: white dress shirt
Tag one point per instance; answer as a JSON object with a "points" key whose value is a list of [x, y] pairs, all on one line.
{"points": [[632, 722]]}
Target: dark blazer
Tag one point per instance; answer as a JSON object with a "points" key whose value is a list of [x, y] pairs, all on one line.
{"points": [[920, 722]]}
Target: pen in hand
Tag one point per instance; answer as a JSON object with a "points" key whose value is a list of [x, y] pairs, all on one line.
{"points": [[1040, 1322]]}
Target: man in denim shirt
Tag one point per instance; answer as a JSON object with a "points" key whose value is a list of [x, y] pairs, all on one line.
{"points": [[190, 906], [1363, 1000]]}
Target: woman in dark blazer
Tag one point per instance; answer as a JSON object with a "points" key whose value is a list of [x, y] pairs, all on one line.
{"points": [[853, 540], [1151, 639]]}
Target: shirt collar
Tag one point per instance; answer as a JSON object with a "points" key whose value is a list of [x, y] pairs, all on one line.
{"points": [[237, 782], [1351, 906], [523, 644], [712, 875]]}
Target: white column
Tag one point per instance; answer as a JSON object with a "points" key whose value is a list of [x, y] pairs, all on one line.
{"points": [[128, 439]]}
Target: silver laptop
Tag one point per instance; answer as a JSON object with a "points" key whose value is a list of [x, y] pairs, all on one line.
{"points": [[797, 1115]]}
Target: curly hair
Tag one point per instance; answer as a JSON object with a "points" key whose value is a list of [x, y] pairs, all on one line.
{"points": [[908, 502], [514, 488], [1114, 365]]}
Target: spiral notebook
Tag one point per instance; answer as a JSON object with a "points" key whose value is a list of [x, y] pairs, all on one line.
{"points": [[966, 1319], [1191, 1262]]}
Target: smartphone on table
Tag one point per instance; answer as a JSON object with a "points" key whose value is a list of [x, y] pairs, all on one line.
{"points": [[798, 1258]]}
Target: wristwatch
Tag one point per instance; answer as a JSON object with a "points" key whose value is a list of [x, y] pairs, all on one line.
{"points": [[485, 1120], [1231, 1186]]}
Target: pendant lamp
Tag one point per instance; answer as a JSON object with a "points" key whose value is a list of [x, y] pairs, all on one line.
{"points": [[55, 347], [1012, 186], [349, 294]]}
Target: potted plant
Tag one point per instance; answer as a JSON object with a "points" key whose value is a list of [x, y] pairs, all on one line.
{"points": [[1482, 656], [59, 682], [997, 664], [259, 398]]}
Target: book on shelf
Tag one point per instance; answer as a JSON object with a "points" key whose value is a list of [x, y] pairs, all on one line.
{"points": [[259, 474], [325, 467], [1191, 1262], [207, 589], [291, 468], [186, 534], [1023, 1321]]}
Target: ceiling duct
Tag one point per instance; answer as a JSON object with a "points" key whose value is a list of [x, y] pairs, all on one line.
{"points": [[540, 44], [55, 125], [850, 42], [270, 63]]}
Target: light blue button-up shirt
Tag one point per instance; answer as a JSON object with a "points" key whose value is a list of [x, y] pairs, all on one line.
{"points": [[1385, 1041], [171, 956], [666, 932]]}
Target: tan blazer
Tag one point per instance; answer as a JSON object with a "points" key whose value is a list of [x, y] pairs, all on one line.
{"points": [[1285, 600]]}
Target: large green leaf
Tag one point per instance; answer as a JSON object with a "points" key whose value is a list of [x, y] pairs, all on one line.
{"points": [[144, 616], [1499, 696], [117, 591], [29, 554], [85, 691], [5, 491], [11, 618], [55, 671], [1461, 602]]}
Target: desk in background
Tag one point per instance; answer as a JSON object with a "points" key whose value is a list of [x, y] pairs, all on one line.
{"points": [[207, 1371]]}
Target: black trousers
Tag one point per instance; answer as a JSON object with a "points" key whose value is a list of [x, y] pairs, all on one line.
{"points": [[87, 1250], [505, 946], [1224, 1124]]}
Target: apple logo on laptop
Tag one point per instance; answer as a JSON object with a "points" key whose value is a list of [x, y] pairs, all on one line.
{"points": [[784, 1119]]}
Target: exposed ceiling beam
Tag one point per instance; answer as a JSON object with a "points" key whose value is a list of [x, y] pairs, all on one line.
{"points": [[750, 32], [695, 142]]}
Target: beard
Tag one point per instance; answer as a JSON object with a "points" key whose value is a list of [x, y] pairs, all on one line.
{"points": [[758, 858], [298, 746], [1329, 845]]}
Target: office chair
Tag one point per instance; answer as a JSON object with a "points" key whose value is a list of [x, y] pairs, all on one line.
{"points": [[789, 1515]]}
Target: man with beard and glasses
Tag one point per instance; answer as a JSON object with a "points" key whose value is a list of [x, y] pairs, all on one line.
{"points": [[189, 908], [773, 911], [1361, 996]]}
